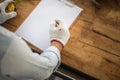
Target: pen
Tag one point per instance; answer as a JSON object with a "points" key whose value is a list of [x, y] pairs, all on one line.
{"points": [[57, 25]]}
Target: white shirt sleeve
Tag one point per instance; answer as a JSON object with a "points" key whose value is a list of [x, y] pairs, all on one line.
{"points": [[53, 55], [20, 62]]}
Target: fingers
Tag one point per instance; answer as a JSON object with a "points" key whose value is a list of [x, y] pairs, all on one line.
{"points": [[59, 23]]}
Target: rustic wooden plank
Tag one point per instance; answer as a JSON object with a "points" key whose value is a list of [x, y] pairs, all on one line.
{"points": [[82, 30], [110, 31], [100, 42], [88, 7], [108, 19], [92, 53], [91, 60]]}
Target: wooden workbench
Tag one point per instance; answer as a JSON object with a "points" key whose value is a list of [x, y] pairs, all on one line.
{"points": [[94, 46]]}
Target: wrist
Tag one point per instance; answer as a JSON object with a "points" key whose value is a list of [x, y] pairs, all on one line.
{"points": [[57, 44]]}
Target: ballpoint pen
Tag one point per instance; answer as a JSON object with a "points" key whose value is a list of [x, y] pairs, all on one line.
{"points": [[57, 24]]}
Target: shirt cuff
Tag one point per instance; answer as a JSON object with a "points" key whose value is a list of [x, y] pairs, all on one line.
{"points": [[53, 50]]}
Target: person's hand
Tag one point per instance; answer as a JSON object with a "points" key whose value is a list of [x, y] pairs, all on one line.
{"points": [[59, 32], [3, 15]]}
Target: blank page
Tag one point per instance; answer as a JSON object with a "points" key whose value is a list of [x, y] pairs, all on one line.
{"points": [[35, 29]]}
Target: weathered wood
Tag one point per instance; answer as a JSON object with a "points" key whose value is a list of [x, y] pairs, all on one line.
{"points": [[91, 60], [91, 52], [109, 19], [112, 32], [83, 31]]}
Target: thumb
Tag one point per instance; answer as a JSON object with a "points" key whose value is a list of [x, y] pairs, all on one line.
{"points": [[10, 15]]}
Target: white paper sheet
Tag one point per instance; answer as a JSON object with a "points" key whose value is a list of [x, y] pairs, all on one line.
{"points": [[35, 29]]}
